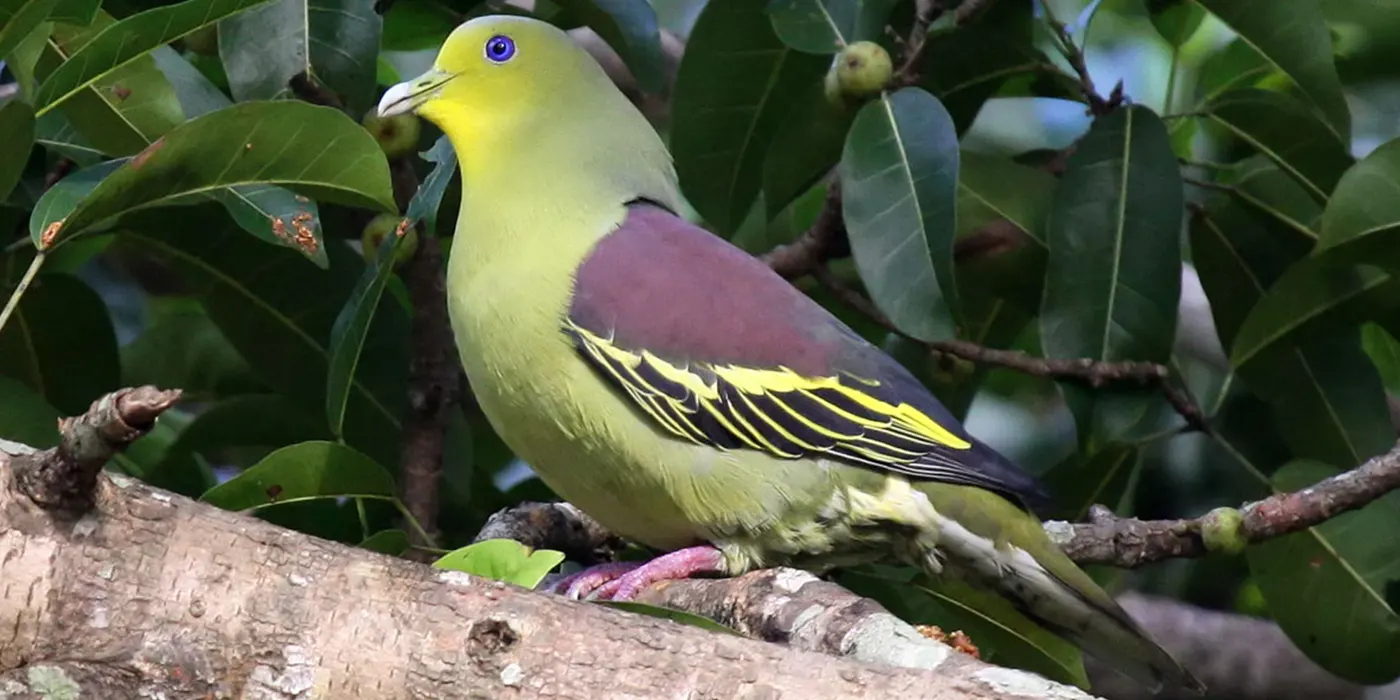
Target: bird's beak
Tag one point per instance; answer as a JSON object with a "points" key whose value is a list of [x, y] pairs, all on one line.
{"points": [[409, 95]]}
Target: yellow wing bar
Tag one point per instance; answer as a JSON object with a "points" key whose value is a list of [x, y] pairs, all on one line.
{"points": [[778, 411]]}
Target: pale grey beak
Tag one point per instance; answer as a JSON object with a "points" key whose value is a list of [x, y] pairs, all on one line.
{"points": [[409, 95]]}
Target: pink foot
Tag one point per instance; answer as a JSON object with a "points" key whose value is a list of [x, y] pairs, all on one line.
{"points": [[682, 563], [578, 585]]}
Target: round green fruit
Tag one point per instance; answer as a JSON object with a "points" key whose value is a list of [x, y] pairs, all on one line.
{"points": [[387, 225], [397, 135], [862, 69]]}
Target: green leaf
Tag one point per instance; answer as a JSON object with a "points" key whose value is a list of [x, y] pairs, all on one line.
{"points": [[417, 25], [671, 614], [899, 193], [79, 13], [17, 133], [126, 109], [1293, 37], [66, 194], [806, 148], [272, 308], [1312, 292], [25, 417], [1325, 398], [20, 19], [1017, 193], [1287, 132], [1325, 586], [59, 342], [966, 66], [1236, 64], [56, 133], [250, 421], [733, 89], [336, 42], [304, 471], [1114, 274], [502, 560], [182, 347], [1362, 221], [246, 144], [1176, 20], [630, 28], [827, 26], [352, 326], [428, 199], [1384, 351], [23, 60], [1081, 481], [391, 542], [1002, 635], [125, 41]]}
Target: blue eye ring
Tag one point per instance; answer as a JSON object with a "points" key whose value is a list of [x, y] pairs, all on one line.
{"points": [[500, 48]]}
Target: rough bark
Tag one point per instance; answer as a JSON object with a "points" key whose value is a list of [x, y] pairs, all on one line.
{"points": [[147, 594]]}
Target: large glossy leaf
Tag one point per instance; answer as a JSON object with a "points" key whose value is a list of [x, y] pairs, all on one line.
{"points": [[1294, 38], [59, 342], [966, 66], [125, 41], [1017, 193], [827, 26], [304, 471], [1362, 222], [1114, 274], [1003, 636], [66, 194], [1176, 20], [1289, 213], [733, 89], [56, 133], [245, 422], [79, 13], [502, 560], [125, 110], [1287, 132], [1325, 398], [274, 311], [806, 148], [630, 28], [1234, 65], [17, 133], [20, 19], [25, 417], [899, 175], [262, 210], [1327, 587], [335, 42], [1312, 292], [316, 151]]}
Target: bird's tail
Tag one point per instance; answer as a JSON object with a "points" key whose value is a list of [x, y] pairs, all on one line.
{"points": [[990, 543]]}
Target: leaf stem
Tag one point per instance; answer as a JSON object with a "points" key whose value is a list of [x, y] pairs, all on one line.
{"points": [[24, 282], [427, 539]]}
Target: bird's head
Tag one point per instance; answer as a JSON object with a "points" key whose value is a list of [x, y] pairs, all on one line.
{"points": [[517, 92]]}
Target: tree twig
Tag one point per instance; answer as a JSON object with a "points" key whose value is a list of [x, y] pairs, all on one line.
{"points": [[1130, 543], [1098, 104], [825, 240], [63, 478], [1094, 373], [433, 383]]}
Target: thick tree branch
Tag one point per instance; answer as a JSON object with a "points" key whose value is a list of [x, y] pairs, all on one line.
{"points": [[153, 595]]}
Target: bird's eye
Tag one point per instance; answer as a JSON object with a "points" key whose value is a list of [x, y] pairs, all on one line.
{"points": [[500, 48]]}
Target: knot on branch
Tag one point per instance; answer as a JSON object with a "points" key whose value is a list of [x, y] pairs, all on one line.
{"points": [[65, 477]]}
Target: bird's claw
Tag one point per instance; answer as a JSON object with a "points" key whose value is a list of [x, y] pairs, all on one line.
{"points": [[622, 581]]}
